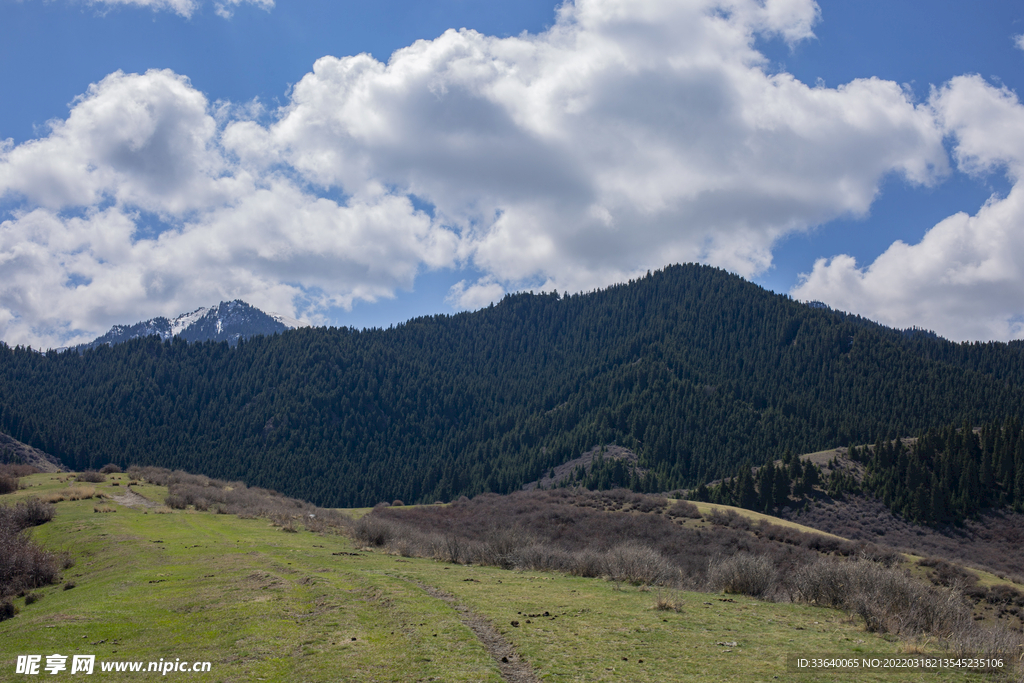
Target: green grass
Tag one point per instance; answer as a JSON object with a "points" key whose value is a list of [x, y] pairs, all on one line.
{"points": [[261, 604]]}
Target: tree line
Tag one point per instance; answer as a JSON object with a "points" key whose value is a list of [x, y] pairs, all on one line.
{"points": [[690, 367]]}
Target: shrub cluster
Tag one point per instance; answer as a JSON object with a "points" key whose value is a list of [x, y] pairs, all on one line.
{"points": [[581, 533], [9, 475], [235, 498], [684, 509], [888, 600], [8, 484], [91, 477], [23, 564]]}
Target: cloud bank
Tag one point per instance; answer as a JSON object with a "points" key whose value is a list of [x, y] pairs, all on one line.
{"points": [[965, 278], [632, 134]]}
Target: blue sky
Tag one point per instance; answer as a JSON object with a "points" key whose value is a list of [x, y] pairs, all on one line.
{"points": [[167, 154]]}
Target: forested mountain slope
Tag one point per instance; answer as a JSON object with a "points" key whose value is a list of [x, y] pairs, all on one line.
{"points": [[692, 368]]}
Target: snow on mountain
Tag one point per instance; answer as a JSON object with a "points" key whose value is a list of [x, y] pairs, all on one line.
{"points": [[290, 323], [228, 321], [182, 322]]}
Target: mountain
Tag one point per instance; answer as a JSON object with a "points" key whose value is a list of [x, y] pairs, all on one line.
{"points": [[692, 369], [228, 321]]}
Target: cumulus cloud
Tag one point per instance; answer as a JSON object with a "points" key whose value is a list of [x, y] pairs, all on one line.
{"points": [[130, 208], [627, 136], [632, 134], [965, 278]]}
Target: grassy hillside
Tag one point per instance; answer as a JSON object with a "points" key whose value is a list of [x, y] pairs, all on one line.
{"points": [[263, 604]]}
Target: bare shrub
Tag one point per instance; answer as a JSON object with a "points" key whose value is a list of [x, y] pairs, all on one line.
{"points": [[587, 563], [374, 531], [23, 564], [18, 471], [7, 610], [637, 564], [110, 468], [33, 598], [397, 503], [649, 503], [405, 546], [501, 545], [825, 583], [744, 574], [175, 502], [886, 598], [685, 509], [91, 477], [451, 548], [8, 484], [327, 521], [973, 639], [28, 513], [729, 518], [543, 557]]}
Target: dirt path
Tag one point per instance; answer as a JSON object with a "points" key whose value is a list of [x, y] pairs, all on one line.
{"points": [[514, 669], [133, 500]]}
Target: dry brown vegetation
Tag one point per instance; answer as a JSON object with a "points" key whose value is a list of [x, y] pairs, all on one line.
{"points": [[630, 537], [71, 493], [23, 564], [235, 498], [991, 542], [8, 484], [9, 475]]}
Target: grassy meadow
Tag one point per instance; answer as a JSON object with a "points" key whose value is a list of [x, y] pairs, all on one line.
{"points": [[262, 604]]}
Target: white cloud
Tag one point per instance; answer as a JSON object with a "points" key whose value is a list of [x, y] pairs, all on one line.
{"points": [[629, 135], [186, 8], [469, 296], [965, 278], [1019, 41], [130, 208], [632, 134]]}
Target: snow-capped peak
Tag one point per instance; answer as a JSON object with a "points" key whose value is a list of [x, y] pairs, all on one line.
{"points": [[228, 321]]}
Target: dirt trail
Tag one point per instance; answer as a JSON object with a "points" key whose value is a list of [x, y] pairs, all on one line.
{"points": [[514, 669], [133, 500]]}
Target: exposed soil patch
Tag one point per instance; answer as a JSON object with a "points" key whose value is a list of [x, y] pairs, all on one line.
{"points": [[133, 500], [514, 668]]}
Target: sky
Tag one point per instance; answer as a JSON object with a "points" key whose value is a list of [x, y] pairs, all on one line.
{"points": [[362, 163]]}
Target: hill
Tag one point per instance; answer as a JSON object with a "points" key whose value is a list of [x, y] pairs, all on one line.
{"points": [[690, 368], [151, 583], [14, 452]]}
